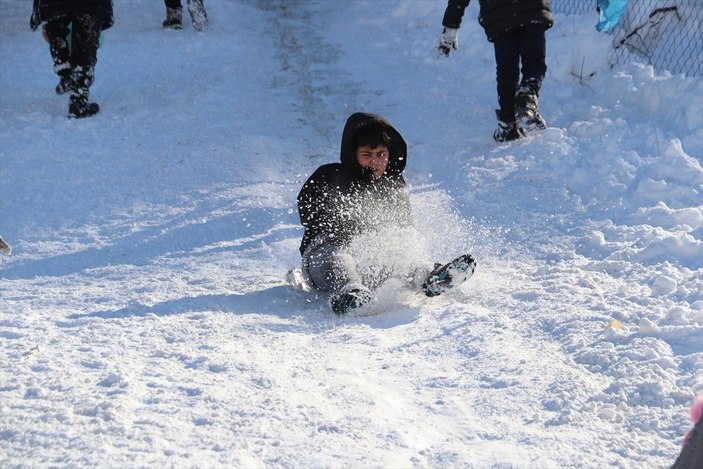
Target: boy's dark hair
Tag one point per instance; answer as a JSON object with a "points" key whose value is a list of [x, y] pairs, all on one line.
{"points": [[372, 136]]}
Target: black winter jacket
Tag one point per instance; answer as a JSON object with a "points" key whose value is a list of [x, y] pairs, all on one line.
{"points": [[342, 200], [499, 16], [46, 10]]}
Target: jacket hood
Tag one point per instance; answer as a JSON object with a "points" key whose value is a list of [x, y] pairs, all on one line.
{"points": [[397, 153]]}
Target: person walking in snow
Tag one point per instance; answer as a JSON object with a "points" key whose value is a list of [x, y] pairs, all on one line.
{"points": [[174, 14], [516, 28], [363, 197], [72, 29]]}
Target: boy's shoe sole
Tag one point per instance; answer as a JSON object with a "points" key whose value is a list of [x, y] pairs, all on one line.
{"points": [[450, 275]]}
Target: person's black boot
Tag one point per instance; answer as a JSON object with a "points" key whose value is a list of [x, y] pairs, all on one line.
{"points": [[507, 130], [198, 14], [65, 83], [174, 18], [79, 107], [527, 110]]}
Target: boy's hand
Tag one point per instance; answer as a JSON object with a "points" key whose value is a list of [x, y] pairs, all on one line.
{"points": [[448, 40]]}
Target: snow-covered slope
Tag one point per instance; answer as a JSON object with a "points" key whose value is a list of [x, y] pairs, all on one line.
{"points": [[144, 316]]}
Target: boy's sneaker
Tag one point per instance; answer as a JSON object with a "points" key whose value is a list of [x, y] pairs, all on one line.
{"points": [[174, 18], [444, 277], [350, 297], [198, 14], [527, 111], [79, 107]]}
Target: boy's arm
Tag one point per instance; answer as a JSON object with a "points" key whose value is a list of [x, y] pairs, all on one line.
{"points": [[454, 13], [449, 39], [310, 200], [404, 210], [316, 202], [34, 20]]}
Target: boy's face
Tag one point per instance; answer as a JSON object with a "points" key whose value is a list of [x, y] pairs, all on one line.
{"points": [[375, 159]]}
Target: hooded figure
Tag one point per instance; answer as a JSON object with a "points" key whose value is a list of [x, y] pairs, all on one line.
{"points": [[362, 196], [341, 200]]}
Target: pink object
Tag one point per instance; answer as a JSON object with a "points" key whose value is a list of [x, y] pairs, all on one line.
{"points": [[697, 409], [696, 414]]}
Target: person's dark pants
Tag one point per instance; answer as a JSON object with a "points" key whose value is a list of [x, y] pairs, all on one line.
{"points": [[527, 46], [57, 35], [176, 3], [82, 32]]}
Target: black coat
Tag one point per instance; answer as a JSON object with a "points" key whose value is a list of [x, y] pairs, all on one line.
{"points": [[499, 16], [691, 456], [46, 10], [341, 200]]}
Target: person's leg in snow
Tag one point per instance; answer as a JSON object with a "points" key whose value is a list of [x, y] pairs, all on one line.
{"points": [[507, 54], [85, 37], [196, 8], [56, 33], [174, 14], [331, 269], [532, 45]]}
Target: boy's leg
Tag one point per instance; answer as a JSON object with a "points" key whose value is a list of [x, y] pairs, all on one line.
{"points": [[85, 39], [174, 14], [533, 52], [534, 67], [56, 33], [507, 54], [196, 8], [331, 268]]}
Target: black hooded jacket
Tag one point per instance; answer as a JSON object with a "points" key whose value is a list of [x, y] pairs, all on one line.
{"points": [[46, 10], [341, 200], [499, 16]]}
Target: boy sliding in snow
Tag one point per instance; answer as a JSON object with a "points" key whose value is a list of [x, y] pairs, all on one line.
{"points": [[363, 199]]}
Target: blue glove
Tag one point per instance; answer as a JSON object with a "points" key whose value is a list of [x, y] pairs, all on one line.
{"points": [[610, 13]]}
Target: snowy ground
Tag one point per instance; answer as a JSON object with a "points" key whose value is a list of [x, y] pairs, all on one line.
{"points": [[144, 315]]}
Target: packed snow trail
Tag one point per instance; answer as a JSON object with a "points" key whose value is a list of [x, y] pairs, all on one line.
{"points": [[144, 316]]}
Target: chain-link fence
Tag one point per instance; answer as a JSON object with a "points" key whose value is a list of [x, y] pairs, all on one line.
{"points": [[666, 34]]}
